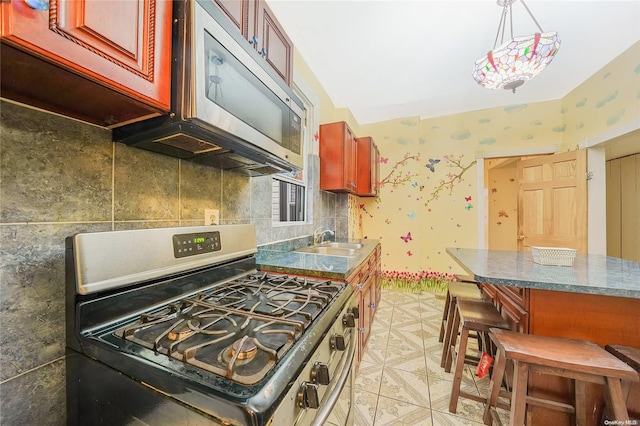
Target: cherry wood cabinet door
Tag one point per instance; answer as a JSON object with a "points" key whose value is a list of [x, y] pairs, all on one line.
{"points": [[239, 13], [273, 43], [122, 45], [368, 167], [338, 158], [257, 23]]}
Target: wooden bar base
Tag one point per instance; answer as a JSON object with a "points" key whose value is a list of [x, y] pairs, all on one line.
{"points": [[600, 319]]}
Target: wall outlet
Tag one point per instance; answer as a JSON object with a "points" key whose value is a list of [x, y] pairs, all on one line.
{"points": [[211, 217]]}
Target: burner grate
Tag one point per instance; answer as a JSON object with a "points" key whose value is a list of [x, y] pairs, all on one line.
{"points": [[239, 329]]}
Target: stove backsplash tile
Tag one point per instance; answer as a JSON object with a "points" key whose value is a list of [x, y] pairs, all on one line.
{"points": [[60, 176], [35, 398], [52, 169], [200, 188], [146, 185]]}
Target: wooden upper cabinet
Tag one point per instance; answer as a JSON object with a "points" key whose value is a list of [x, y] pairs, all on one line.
{"points": [[368, 167], [121, 50], [338, 158], [273, 43], [239, 13], [257, 23]]}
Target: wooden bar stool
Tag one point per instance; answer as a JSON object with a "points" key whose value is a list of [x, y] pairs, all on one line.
{"points": [[579, 360], [474, 315], [629, 355], [466, 289]]}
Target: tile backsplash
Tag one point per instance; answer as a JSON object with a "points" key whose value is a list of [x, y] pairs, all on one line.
{"points": [[59, 177]]}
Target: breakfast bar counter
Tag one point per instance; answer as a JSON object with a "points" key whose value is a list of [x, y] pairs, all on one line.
{"points": [[590, 273], [597, 299]]}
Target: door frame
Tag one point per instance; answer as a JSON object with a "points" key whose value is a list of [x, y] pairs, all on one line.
{"points": [[596, 188], [482, 194]]}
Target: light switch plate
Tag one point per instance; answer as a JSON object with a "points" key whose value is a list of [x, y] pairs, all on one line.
{"points": [[211, 217]]}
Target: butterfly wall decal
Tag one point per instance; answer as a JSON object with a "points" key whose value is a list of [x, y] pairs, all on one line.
{"points": [[387, 221], [384, 160], [414, 184], [502, 213], [409, 253], [411, 215], [431, 165], [407, 238], [467, 198], [469, 207]]}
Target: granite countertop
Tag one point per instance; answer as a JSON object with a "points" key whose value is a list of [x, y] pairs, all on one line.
{"points": [[590, 273], [282, 258]]}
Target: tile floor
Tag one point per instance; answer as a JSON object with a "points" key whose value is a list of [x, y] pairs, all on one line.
{"points": [[400, 381]]}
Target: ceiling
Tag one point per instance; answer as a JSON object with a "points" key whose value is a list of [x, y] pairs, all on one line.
{"points": [[388, 59]]}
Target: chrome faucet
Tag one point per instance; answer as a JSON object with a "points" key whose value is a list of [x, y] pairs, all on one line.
{"points": [[319, 234]]}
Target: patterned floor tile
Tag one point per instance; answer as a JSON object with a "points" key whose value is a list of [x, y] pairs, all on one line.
{"points": [[400, 381], [407, 337], [369, 377], [405, 358], [404, 386], [365, 408], [440, 392], [374, 354], [399, 413], [404, 298], [448, 419], [378, 339]]}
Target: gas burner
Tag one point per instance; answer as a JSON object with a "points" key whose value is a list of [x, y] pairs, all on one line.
{"points": [[238, 330], [184, 329], [245, 348]]}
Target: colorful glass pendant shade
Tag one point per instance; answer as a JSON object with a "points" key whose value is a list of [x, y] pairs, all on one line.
{"points": [[517, 60]]}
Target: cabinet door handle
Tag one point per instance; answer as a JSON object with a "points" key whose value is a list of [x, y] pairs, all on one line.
{"points": [[254, 41], [263, 52], [362, 330], [373, 305], [360, 285]]}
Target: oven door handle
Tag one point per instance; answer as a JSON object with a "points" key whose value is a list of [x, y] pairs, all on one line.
{"points": [[323, 413]]}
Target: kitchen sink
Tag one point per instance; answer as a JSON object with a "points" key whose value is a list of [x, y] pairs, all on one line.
{"points": [[353, 246], [330, 251]]}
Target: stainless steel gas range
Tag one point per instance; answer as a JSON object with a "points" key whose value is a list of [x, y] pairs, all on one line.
{"points": [[183, 314]]}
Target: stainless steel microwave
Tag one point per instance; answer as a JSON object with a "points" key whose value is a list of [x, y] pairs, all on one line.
{"points": [[229, 110]]}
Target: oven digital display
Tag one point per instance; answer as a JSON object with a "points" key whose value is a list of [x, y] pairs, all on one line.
{"points": [[193, 244]]}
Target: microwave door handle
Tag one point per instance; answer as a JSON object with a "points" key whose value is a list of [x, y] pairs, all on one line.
{"points": [[324, 412]]}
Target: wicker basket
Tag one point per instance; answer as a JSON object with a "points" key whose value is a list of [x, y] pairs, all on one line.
{"points": [[555, 256]]}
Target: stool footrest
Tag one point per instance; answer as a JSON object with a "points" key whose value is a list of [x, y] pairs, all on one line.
{"points": [[553, 405]]}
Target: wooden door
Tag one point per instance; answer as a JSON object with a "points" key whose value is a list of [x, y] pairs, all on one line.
{"points": [[623, 205], [552, 201]]}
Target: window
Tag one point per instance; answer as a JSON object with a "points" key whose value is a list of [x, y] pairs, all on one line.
{"points": [[289, 190], [289, 201]]}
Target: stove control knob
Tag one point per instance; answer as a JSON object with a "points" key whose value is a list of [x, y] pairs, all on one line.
{"points": [[308, 395], [337, 342], [354, 310], [320, 373], [349, 320]]}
